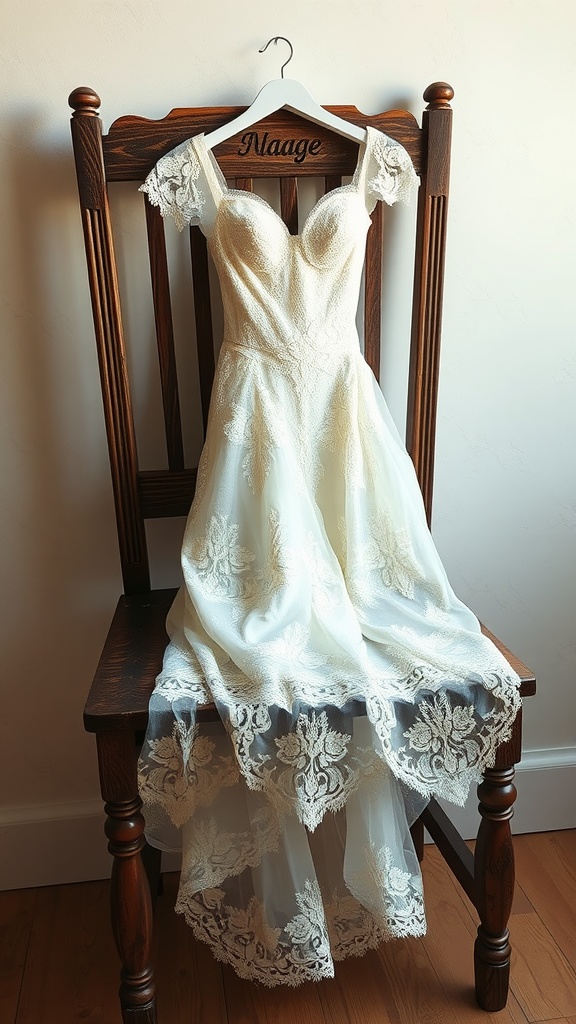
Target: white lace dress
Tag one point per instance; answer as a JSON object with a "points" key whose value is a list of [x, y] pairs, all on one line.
{"points": [[350, 681]]}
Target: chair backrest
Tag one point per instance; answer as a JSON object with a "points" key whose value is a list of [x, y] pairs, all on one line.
{"points": [[127, 153]]}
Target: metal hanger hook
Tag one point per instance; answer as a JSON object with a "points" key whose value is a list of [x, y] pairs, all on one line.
{"points": [[275, 40]]}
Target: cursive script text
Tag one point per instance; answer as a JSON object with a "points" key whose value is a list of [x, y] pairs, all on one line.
{"points": [[265, 146]]}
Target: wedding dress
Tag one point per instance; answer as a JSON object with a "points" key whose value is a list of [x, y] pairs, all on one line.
{"points": [[350, 681]]}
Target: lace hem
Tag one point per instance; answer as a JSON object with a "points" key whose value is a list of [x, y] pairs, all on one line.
{"points": [[449, 746], [447, 750], [311, 760], [305, 948]]}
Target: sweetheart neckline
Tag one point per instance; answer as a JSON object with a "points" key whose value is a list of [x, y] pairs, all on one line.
{"points": [[235, 193], [198, 142]]}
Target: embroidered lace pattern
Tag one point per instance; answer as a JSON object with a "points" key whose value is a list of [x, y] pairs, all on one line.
{"points": [[242, 937], [391, 176], [181, 771], [321, 931], [351, 683], [173, 186]]}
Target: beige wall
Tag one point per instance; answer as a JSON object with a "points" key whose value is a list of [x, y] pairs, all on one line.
{"points": [[505, 517]]}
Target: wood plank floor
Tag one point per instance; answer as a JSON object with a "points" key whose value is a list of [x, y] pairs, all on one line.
{"points": [[58, 964]]}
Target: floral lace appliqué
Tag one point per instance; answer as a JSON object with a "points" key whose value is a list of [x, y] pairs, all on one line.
{"points": [[173, 186], [220, 562], [259, 433], [393, 178], [214, 853], [442, 734], [257, 951], [388, 554], [180, 772], [313, 752]]}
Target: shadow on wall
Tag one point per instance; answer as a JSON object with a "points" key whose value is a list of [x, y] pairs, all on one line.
{"points": [[62, 563]]}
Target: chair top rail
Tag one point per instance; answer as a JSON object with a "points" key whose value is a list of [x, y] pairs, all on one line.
{"points": [[134, 144]]}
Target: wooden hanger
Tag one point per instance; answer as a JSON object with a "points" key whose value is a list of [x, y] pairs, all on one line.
{"points": [[285, 93]]}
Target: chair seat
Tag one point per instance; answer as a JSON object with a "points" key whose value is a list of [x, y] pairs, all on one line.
{"points": [[132, 658]]}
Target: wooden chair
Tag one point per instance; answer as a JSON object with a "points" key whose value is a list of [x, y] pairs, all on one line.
{"points": [[117, 707]]}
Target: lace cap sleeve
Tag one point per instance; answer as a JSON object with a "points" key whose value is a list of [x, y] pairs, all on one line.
{"points": [[173, 186], [390, 174]]}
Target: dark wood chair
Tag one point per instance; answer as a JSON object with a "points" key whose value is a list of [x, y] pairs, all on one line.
{"points": [[117, 707]]}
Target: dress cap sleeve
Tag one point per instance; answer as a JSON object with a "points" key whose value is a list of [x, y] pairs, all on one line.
{"points": [[173, 186], [390, 175]]}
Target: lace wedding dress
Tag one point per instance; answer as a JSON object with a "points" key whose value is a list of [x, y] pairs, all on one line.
{"points": [[350, 681]]}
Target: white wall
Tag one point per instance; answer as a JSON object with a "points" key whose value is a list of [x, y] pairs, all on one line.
{"points": [[505, 513]]}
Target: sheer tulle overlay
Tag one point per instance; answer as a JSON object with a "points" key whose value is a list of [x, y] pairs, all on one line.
{"points": [[350, 681]]}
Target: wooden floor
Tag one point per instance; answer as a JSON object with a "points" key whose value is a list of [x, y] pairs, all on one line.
{"points": [[58, 964]]}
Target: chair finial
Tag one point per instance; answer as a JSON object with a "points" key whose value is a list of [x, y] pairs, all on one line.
{"points": [[84, 101], [438, 94]]}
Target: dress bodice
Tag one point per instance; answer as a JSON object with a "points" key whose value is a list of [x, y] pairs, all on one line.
{"points": [[280, 291]]}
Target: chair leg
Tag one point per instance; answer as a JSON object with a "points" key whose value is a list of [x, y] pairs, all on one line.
{"points": [[131, 905], [494, 884], [417, 833], [152, 861]]}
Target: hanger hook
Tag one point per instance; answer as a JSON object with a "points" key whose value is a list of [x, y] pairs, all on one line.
{"points": [[275, 40]]}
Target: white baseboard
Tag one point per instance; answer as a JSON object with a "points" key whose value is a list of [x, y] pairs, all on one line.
{"points": [[52, 844], [58, 843]]}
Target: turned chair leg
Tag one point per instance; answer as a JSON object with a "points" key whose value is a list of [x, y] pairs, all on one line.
{"points": [[494, 876], [417, 833], [131, 905], [152, 861]]}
